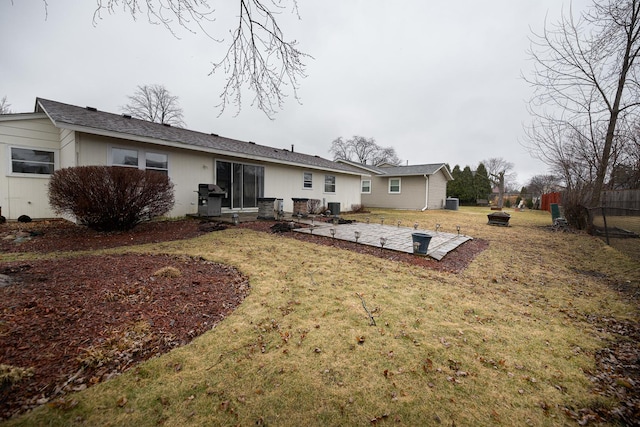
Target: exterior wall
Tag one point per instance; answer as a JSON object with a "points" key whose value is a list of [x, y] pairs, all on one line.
{"points": [[437, 190], [68, 147], [412, 193], [187, 168], [286, 182], [26, 194]]}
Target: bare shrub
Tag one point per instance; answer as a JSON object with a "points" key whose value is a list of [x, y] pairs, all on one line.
{"points": [[314, 206], [358, 208], [110, 198], [575, 212]]}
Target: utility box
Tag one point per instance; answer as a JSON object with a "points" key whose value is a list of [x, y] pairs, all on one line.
{"points": [[210, 200], [334, 207], [451, 203]]}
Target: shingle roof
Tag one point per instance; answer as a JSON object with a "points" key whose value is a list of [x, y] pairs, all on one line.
{"points": [[409, 170], [86, 119]]}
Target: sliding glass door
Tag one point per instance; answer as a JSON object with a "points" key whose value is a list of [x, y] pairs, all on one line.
{"points": [[243, 183]]}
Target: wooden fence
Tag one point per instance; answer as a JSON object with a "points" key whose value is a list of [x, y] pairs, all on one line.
{"points": [[547, 199], [625, 199]]}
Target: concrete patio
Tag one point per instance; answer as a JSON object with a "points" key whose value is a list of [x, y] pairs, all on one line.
{"points": [[397, 238]]}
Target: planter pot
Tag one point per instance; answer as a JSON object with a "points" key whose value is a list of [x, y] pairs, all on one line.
{"points": [[420, 243]]}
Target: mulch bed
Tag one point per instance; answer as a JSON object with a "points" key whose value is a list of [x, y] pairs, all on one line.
{"points": [[83, 320]]}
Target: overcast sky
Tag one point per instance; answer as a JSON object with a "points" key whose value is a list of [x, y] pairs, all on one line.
{"points": [[439, 81]]}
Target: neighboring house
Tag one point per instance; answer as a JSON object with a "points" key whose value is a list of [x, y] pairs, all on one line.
{"points": [[57, 135], [404, 187]]}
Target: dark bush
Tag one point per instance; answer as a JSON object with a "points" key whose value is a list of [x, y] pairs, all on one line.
{"points": [[529, 203], [110, 198], [24, 218]]}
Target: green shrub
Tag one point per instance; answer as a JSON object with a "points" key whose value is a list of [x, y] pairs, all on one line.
{"points": [[110, 198]]}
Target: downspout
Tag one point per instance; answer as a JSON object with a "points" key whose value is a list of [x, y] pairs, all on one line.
{"points": [[426, 206]]}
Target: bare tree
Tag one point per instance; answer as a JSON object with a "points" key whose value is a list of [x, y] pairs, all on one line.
{"points": [[543, 184], [500, 173], [259, 56], [363, 150], [155, 104], [585, 86], [4, 106]]}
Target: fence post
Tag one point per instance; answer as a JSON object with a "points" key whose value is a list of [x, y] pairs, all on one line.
{"points": [[604, 219]]}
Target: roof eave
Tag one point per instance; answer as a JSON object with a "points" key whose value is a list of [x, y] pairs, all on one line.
{"points": [[181, 145], [22, 116]]}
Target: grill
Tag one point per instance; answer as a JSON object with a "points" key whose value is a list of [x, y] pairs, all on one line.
{"points": [[210, 200]]}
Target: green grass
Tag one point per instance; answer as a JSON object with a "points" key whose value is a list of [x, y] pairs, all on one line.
{"points": [[505, 342]]}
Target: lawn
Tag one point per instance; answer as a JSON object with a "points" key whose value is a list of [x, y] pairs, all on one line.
{"points": [[511, 340]]}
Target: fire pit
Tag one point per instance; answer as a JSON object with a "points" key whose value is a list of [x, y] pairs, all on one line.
{"points": [[499, 218]]}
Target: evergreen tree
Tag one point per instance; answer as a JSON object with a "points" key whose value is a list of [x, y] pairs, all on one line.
{"points": [[482, 183], [467, 190], [453, 187]]}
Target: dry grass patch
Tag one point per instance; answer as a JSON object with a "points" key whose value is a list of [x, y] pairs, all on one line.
{"points": [[506, 342]]}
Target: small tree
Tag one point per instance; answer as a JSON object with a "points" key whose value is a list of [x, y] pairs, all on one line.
{"points": [[110, 198]]}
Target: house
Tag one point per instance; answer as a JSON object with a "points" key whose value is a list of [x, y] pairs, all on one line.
{"points": [[404, 187], [58, 135]]}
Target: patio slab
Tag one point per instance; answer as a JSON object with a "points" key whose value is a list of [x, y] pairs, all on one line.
{"points": [[398, 238]]}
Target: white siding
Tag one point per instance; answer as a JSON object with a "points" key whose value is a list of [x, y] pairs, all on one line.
{"points": [[285, 182], [28, 195], [437, 190], [187, 169], [25, 195], [68, 146]]}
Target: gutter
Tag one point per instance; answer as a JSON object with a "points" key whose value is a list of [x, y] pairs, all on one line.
{"points": [[426, 206]]}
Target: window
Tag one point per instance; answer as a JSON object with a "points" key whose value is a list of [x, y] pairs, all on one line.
{"points": [[27, 160], [394, 185], [366, 186], [140, 159], [307, 180], [125, 157], [157, 162], [329, 184]]}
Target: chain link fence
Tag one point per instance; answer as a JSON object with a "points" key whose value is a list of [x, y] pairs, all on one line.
{"points": [[617, 221]]}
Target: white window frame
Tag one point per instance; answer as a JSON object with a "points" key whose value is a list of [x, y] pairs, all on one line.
{"points": [[27, 174], [307, 184], [331, 178], [399, 185], [142, 159], [362, 190], [162, 170]]}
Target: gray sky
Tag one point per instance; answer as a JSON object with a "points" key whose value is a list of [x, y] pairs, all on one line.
{"points": [[437, 80]]}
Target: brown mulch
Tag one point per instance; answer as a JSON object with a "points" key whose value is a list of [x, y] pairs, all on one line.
{"points": [[82, 320]]}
